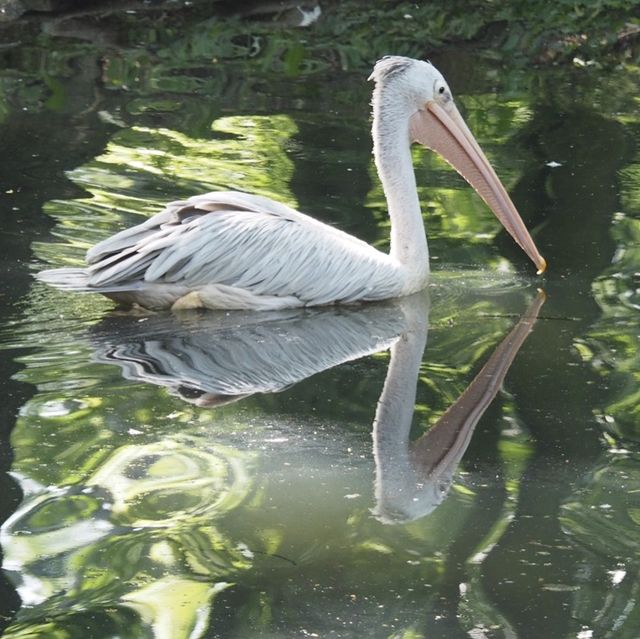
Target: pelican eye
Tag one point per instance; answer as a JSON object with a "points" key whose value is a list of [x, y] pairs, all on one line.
{"points": [[441, 90]]}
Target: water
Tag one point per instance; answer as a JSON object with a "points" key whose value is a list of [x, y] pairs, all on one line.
{"points": [[318, 473]]}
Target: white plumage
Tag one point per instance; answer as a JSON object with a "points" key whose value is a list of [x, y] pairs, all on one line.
{"points": [[222, 245]]}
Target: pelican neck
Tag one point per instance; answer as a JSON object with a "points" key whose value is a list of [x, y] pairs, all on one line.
{"points": [[392, 153]]}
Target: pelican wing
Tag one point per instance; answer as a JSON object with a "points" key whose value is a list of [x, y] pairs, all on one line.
{"points": [[244, 242]]}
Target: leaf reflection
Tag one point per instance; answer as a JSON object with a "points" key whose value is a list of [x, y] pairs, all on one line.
{"points": [[612, 346], [150, 510], [602, 516], [141, 165]]}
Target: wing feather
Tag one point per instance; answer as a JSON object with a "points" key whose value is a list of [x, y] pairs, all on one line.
{"points": [[246, 242]]}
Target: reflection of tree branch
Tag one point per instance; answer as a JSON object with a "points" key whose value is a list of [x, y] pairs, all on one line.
{"points": [[72, 9], [70, 19], [73, 23]]}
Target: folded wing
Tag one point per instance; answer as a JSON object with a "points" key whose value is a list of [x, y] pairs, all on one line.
{"points": [[244, 242]]}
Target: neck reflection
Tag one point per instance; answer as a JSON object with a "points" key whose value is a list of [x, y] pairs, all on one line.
{"points": [[413, 478]]}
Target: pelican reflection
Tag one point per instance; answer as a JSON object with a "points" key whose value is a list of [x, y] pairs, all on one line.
{"points": [[214, 358]]}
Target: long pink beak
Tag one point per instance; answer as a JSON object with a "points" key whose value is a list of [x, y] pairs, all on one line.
{"points": [[444, 131]]}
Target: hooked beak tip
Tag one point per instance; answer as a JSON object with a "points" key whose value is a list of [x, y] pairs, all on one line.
{"points": [[542, 266]]}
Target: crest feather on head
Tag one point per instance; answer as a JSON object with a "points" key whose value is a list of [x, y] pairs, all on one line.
{"points": [[389, 66]]}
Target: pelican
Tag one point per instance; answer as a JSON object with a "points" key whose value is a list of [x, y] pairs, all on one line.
{"points": [[232, 250]]}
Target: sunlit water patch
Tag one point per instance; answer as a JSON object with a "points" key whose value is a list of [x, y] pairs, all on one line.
{"points": [[143, 169]]}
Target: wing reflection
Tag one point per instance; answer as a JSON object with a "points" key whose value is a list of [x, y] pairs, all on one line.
{"points": [[412, 478], [215, 358]]}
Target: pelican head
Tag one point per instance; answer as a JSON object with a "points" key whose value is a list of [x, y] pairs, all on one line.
{"points": [[415, 91]]}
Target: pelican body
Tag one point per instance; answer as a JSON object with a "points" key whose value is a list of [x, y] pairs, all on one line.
{"points": [[233, 250]]}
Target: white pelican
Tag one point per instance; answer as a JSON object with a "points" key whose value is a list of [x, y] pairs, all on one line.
{"points": [[233, 250]]}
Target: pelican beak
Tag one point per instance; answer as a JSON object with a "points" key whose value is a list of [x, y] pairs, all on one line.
{"points": [[443, 130]]}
